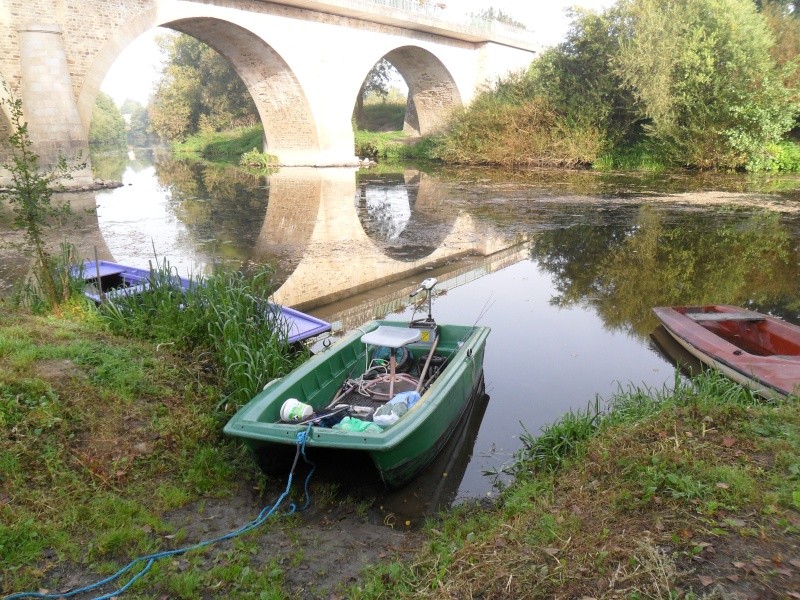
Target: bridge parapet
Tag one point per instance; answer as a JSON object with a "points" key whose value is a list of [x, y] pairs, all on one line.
{"points": [[432, 17]]}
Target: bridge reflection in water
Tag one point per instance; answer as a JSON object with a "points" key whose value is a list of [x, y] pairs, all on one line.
{"points": [[320, 230]]}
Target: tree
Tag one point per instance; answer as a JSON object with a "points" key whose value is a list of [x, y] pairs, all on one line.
{"points": [[783, 18], [108, 126], [29, 197], [495, 14], [138, 119], [703, 75], [376, 82], [198, 90], [579, 80], [788, 6]]}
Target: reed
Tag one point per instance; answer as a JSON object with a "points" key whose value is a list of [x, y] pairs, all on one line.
{"points": [[559, 441], [225, 320], [57, 273]]}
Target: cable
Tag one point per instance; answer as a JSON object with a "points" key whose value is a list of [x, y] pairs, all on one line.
{"points": [[150, 559]]}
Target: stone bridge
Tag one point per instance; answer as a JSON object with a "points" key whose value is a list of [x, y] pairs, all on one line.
{"points": [[303, 62]]}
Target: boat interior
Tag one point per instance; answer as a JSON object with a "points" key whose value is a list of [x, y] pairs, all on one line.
{"points": [[751, 332], [383, 363]]}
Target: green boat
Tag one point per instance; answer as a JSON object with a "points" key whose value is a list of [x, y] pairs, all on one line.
{"points": [[423, 376]]}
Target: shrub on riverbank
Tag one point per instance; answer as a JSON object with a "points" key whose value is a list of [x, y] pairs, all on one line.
{"points": [[226, 146], [529, 132], [669, 494], [693, 79]]}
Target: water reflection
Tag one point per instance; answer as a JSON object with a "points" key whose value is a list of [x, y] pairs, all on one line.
{"points": [[385, 205], [627, 260]]}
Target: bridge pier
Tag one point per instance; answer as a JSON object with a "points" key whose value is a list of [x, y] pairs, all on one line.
{"points": [[48, 101]]}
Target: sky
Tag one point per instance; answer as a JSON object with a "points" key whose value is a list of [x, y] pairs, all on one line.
{"points": [[135, 72]]}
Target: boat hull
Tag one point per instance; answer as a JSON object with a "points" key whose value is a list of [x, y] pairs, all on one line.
{"points": [[399, 452], [757, 351]]}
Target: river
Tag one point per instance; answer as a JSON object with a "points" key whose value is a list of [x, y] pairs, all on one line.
{"points": [[563, 266]]}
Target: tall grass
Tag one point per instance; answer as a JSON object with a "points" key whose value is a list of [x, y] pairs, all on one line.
{"points": [[57, 273], [226, 146], [566, 438], [225, 320], [383, 115]]}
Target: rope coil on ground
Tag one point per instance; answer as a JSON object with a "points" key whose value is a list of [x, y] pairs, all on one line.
{"points": [[150, 559]]}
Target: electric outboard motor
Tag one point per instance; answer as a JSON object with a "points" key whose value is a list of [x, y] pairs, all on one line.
{"points": [[427, 326]]}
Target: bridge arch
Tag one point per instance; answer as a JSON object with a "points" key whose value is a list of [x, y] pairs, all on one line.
{"points": [[432, 90], [289, 126]]}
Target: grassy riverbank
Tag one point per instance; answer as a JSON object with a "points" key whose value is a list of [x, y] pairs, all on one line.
{"points": [[691, 494], [113, 449]]}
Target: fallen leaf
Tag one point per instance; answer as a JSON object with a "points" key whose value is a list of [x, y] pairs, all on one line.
{"points": [[733, 578], [552, 551], [739, 565], [728, 441], [723, 486], [702, 545], [705, 580], [795, 563], [783, 571], [735, 522]]}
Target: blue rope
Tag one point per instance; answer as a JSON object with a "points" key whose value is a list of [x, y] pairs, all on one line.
{"points": [[150, 559]]}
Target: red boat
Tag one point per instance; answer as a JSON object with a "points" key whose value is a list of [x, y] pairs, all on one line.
{"points": [[756, 350]]}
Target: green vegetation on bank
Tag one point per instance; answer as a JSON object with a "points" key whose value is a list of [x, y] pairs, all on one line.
{"points": [[226, 319], [239, 146], [104, 436], [29, 198], [665, 495], [108, 127], [694, 83], [198, 92]]}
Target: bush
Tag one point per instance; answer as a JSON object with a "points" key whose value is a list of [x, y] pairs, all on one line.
{"points": [[785, 156], [705, 79], [528, 132]]}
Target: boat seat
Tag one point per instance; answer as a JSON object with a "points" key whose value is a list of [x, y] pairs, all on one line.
{"points": [[127, 291], [391, 337], [731, 316]]}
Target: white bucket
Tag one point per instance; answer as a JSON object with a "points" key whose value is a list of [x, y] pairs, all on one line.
{"points": [[294, 410]]}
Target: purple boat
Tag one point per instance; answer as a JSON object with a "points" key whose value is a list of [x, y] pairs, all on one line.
{"points": [[112, 280]]}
